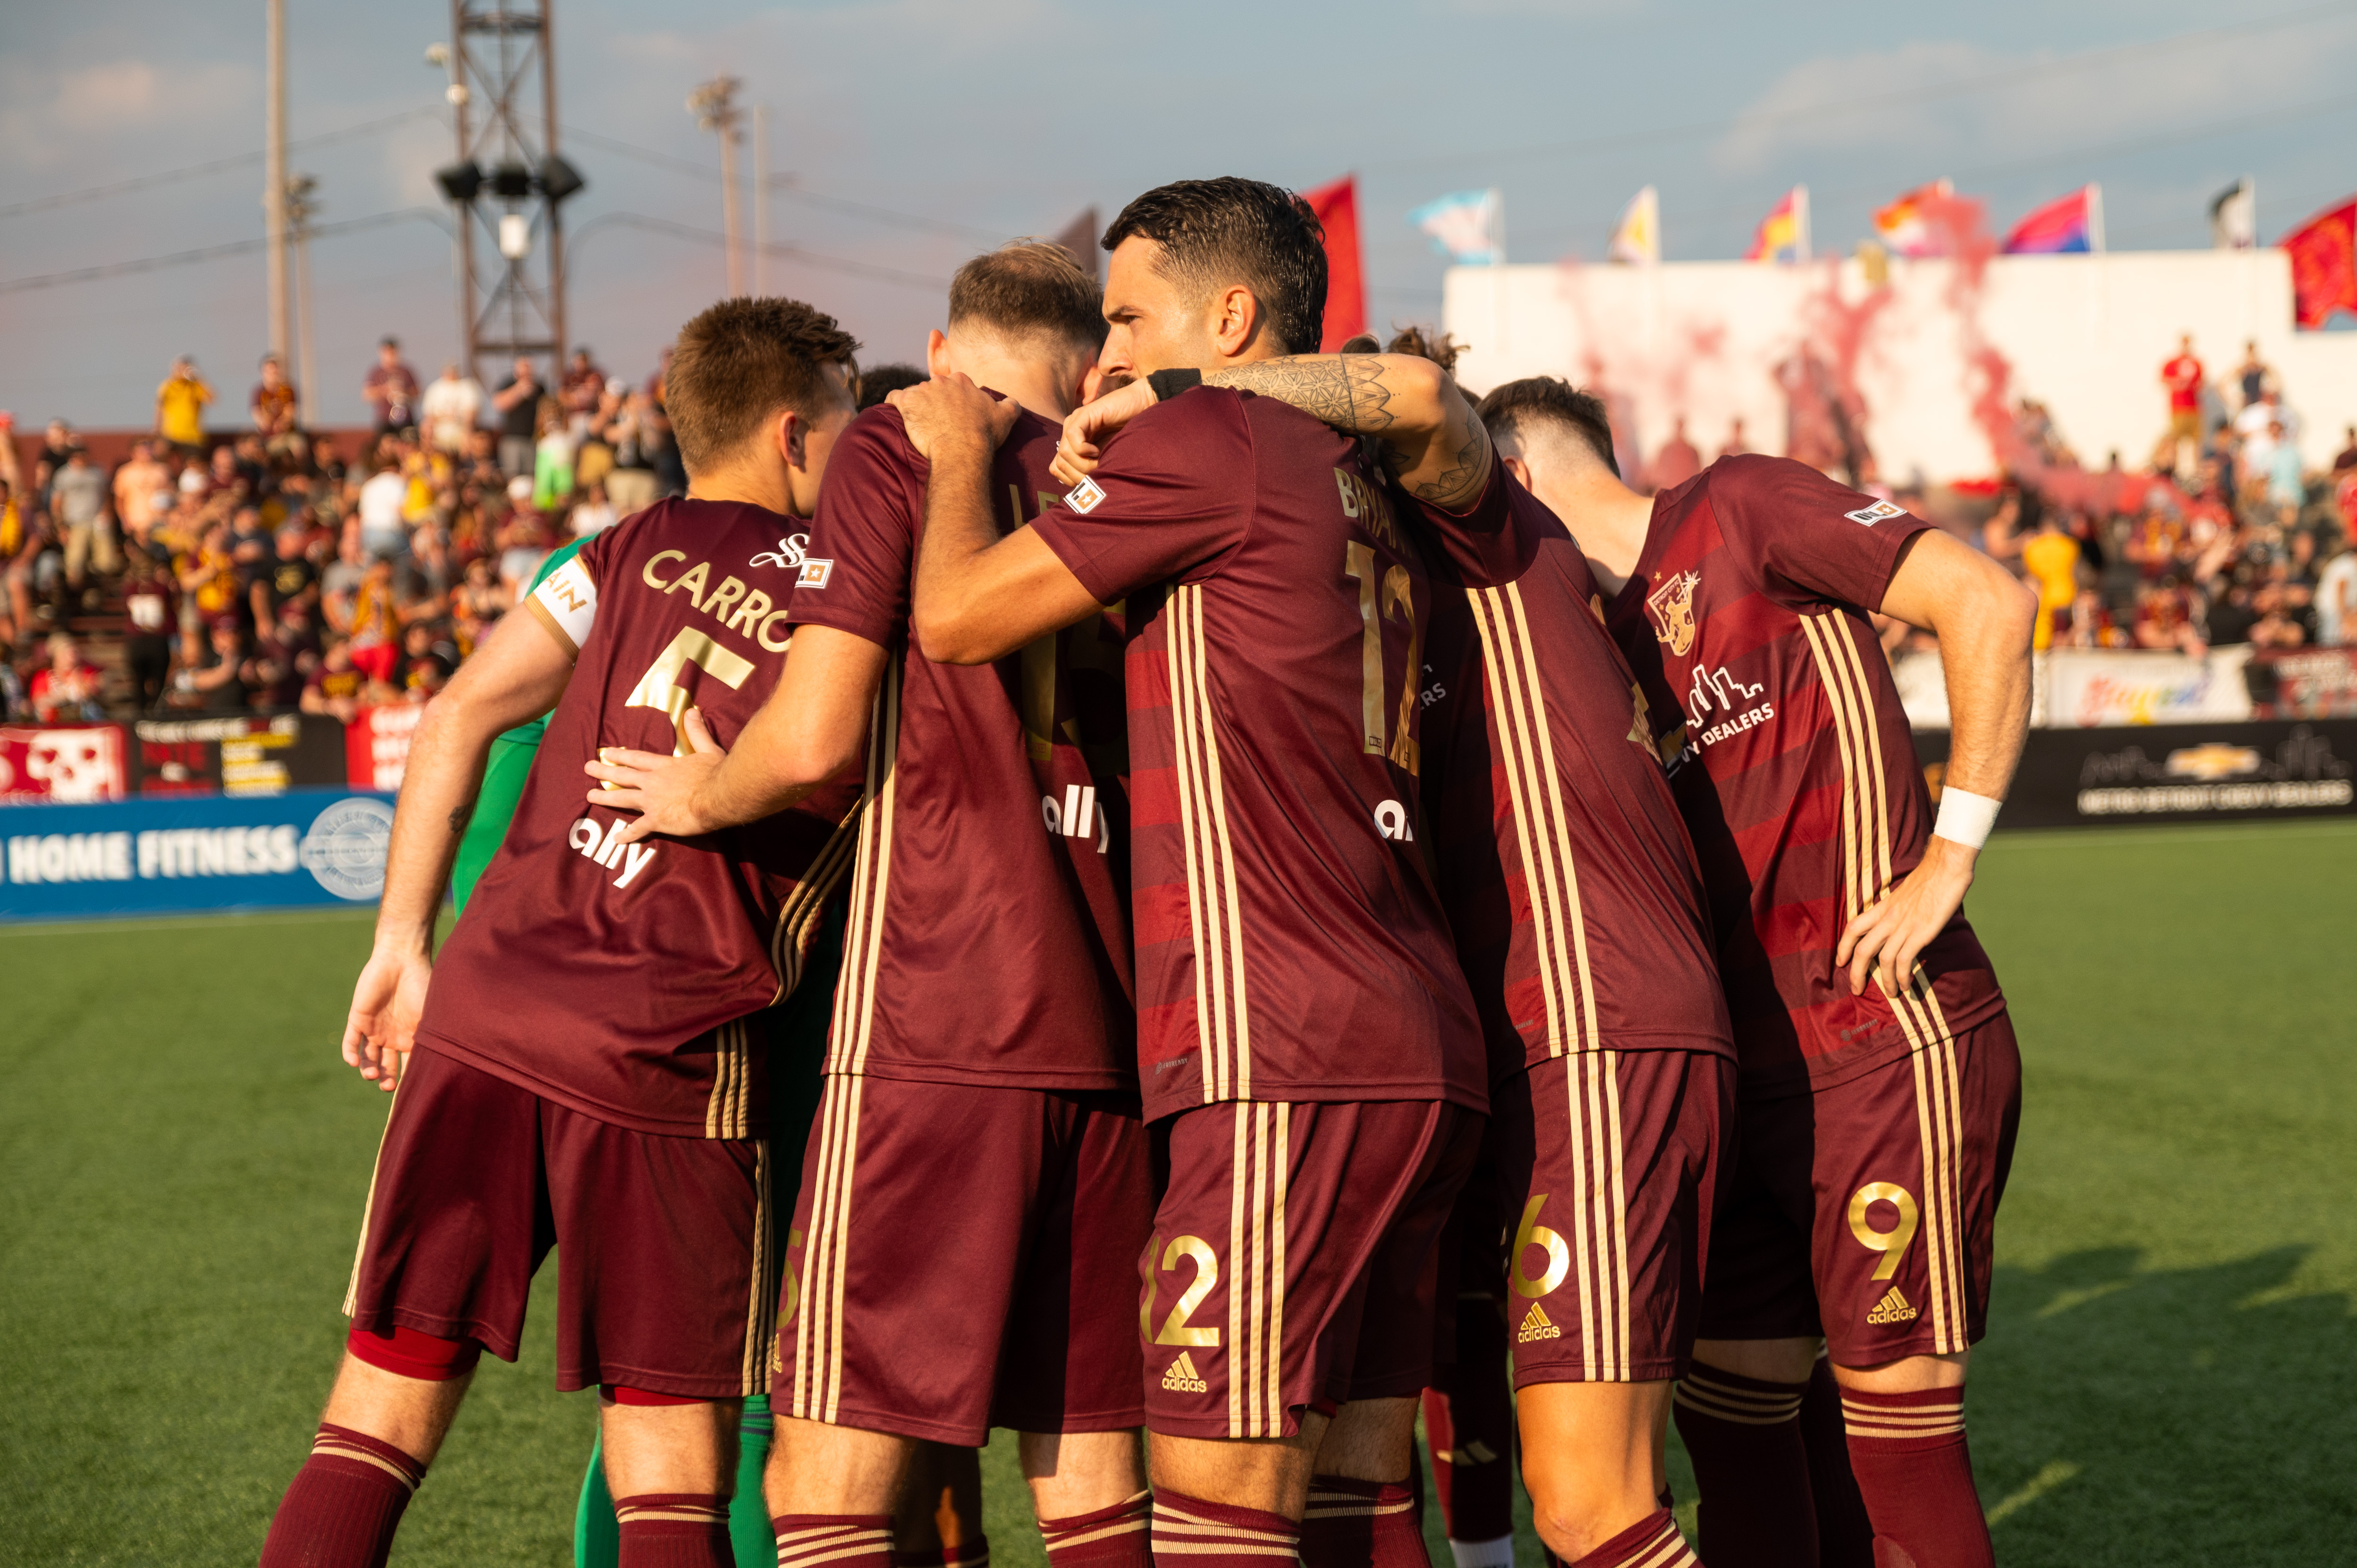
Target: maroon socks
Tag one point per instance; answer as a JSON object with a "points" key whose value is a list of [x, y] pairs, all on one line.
{"points": [[1751, 1469], [1845, 1535], [1192, 1533], [838, 1541], [1362, 1524], [1116, 1537], [1916, 1475], [674, 1529], [343, 1504]]}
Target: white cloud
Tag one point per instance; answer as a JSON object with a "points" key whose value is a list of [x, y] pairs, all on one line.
{"points": [[50, 115]]}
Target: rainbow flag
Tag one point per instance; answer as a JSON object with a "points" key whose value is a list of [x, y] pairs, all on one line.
{"points": [[1904, 226], [1784, 234], [2072, 223], [1468, 227]]}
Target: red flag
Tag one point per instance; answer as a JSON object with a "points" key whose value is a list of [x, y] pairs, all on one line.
{"points": [[2323, 265], [1337, 206]]}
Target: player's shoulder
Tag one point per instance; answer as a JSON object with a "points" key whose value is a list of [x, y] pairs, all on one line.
{"points": [[876, 435]]}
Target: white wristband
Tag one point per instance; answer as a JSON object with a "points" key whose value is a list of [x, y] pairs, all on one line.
{"points": [[1965, 818]]}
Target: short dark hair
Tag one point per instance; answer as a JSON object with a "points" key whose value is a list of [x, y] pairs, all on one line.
{"points": [[1438, 346], [879, 381], [740, 361], [1214, 233], [1029, 289], [1516, 407]]}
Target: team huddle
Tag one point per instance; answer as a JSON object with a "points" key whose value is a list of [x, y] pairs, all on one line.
{"points": [[1258, 888]]}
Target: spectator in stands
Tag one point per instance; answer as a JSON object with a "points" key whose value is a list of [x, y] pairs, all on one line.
{"points": [[2164, 618], [2346, 458], [2050, 556], [630, 483], [142, 493], [551, 469], [2336, 598], [1677, 461], [37, 575], [390, 388], [215, 679], [290, 576], [78, 497], [524, 542], [180, 407], [1736, 446], [2285, 617], [518, 404], [579, 392], [68, 688], [334, 688], [2285, 490], [375, 630], [449, 411], [275, 408], [208, 576], [592, 513], [2252, 377], [2183, 376], [427, 658], [383, 531]]}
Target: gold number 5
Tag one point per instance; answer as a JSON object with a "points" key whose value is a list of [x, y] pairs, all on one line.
{"points": [[1175, 1329], [660, 687], [1891, 1243]]}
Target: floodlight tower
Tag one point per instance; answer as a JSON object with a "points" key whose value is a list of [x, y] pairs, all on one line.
{"points": [[508, 178]]}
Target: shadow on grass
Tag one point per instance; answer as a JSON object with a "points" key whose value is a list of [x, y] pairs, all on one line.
{"points": [[2203, 1415]]}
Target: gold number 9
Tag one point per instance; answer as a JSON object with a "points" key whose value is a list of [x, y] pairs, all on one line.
{"points": [[1891, 1243], [1534, 1234]]}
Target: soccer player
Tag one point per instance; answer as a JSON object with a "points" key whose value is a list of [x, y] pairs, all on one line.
{"points": [[1881, 1081], [1578, 910], [971, 1208], [1305, 1039], [576, 1069]]}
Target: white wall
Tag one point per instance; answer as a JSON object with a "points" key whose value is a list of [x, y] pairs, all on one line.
{"points": [[2084, 334]]}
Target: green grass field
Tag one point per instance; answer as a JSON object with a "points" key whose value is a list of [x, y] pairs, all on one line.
{"points": [[2168, 1376]]}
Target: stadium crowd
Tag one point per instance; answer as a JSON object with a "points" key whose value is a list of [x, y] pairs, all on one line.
{"points": [[270, 569]]}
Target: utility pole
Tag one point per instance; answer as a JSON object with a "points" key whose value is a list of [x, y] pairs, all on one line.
{"points": [[714, 104], [760, 198], [274, 182], [300, 211], [508, 179]]}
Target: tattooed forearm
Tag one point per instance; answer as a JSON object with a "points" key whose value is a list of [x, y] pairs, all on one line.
{"points": [[1349, 392], [1468, 467]]}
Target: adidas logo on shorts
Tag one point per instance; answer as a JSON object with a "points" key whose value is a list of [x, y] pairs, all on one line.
{"points": [[1536, 1325], [1891, 1308], [1183, 1378]]}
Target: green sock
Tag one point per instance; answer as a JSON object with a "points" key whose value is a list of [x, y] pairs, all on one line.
{"points": [[596, 1537], [749, 1534]]}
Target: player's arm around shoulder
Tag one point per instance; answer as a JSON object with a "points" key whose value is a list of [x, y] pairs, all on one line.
{"points": [[519, 673], [978, 597], [1983, 617]]}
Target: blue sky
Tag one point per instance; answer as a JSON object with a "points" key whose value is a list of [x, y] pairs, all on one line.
{"points": [[989, 118]]}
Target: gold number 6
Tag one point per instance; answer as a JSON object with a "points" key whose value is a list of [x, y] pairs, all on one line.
{"points": [[1534, 1234]]}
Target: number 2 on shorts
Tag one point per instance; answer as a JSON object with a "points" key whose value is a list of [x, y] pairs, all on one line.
{"points": [[1175, 1328]]}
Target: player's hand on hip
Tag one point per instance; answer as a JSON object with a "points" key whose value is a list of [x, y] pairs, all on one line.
{"points": [[951, 410], [1079, 449], [1886, 940], [381, 1026], [661, 789]]}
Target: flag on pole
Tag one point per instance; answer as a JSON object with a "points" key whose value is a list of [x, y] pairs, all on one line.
{"points": [[1079, 240], [1468, 227], [1904, 226], [1637, 237], [2324, 266], [2234, 217], [1784, 234], [2073, 223], [1337, 207]]}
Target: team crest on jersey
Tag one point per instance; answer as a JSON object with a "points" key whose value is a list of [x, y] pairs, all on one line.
{"points": [[1084, 497], [1671, 606], [1877, 512], [788, 553], [816, 571]]}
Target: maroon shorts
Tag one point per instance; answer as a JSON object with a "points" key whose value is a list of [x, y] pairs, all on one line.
{"points": [[963, 1258], [1610, 1165], [666, 1280], [1294, 1261], [1867, 1210]]}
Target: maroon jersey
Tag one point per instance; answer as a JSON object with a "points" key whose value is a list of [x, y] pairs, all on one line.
{"points": [[611, 978], [1290, 941], [1568, 877], [1792, 760], [989, 936]]}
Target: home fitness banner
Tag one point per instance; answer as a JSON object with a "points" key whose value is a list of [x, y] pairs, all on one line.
{"points": [[171, 854]]}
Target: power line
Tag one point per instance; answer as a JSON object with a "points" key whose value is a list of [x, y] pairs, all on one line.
{"points": [[783, 185], [148, 181], [788, 252], [208, 252], [1856, 102]]}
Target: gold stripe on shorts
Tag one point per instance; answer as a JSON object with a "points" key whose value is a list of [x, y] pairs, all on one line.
{"points": [[817, 1388]]}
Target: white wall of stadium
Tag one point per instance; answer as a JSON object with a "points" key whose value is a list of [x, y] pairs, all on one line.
{"points": [[2086, 335]]}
